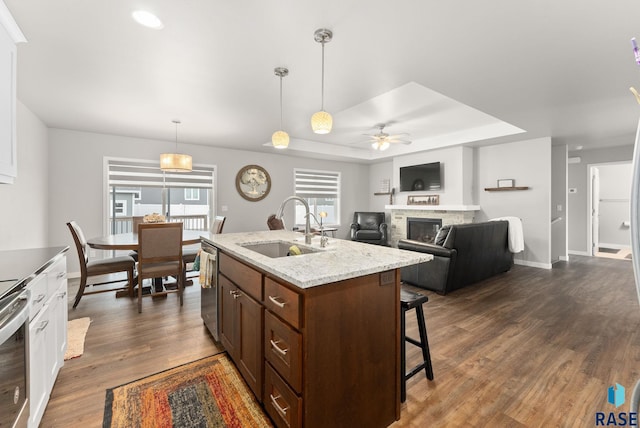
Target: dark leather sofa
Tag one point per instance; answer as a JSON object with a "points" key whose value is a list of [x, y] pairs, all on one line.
{"points": [[369, 227], [468, 253]]}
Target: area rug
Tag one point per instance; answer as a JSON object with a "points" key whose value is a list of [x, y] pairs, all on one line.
{"points": [[205, 393], [76, 332]]}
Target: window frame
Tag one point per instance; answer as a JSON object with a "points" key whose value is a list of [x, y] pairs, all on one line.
{"points": [[155, 164], [337, 196], [191, 197]]}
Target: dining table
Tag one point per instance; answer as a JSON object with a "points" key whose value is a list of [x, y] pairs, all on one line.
{"points": [[129, 241]]}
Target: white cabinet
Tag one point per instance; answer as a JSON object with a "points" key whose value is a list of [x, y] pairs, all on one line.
{"points": [[10, 34], [47, 335]]}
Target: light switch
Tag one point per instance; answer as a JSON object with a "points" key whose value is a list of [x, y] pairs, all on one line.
{"points": [[559, 208]]}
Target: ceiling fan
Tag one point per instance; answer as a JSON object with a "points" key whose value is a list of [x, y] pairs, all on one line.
{"points": [[382, 141]]}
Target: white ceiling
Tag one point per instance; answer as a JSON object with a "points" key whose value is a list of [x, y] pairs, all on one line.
{"points": [[454, 72]]}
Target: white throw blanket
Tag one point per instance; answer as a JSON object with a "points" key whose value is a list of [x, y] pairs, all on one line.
{"points": [[516, 236]]}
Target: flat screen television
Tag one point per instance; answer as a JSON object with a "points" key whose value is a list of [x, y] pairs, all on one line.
{"points": [[420, 177]]}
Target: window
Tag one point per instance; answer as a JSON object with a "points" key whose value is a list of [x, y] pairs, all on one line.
{"points": [[321, 189], [191, 194], [120, 209], [145, 188]]}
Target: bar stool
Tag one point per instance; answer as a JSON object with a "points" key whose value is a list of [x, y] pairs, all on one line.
{"points": [[411, 300]]}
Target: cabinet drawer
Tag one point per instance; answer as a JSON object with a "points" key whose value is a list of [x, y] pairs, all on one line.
{"points": [[38, 289], [282, 301], [242, 275], [56, 275], [282, 404], [283, 349]]}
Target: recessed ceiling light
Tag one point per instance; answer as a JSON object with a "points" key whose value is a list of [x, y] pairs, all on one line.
{"points": [[147, 19]]}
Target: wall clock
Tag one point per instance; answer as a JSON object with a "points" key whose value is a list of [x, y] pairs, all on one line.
{"points": [[253, 182]]}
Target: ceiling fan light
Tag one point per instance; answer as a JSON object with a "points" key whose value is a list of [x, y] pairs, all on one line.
{"points": [[384, 145], [280, 140], [321, 122], [175, 162]]}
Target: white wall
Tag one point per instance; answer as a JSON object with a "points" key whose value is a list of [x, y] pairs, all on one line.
{"points": [[378, 172], [467, 171], [559, 203], [615, 191], [23, 217], [457, 174], [529, 164], [579, 201], [76, 182]]}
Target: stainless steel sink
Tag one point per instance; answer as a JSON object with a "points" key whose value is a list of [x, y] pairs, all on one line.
{"points": [[277, 248]]}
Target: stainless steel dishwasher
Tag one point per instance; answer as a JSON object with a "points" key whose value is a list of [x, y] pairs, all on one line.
{"points": [[209, 288]]}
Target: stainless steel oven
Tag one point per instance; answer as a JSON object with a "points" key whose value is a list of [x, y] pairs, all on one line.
{"points": [[14, 328]]}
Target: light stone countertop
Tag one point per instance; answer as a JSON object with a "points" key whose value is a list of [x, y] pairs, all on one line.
{"points": [[339, 260]]}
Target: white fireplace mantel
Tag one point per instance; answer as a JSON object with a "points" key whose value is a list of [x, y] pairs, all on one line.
{"points": [[449, 214], [434, 207]]}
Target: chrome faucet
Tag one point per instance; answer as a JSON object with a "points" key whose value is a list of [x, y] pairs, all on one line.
{"points": [[324, 240], [307, 226]]}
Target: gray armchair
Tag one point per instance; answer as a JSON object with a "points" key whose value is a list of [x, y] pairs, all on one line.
{"points": [[369, 227]]}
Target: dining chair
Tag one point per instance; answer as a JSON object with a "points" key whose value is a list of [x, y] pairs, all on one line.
{"points": [[189, 254], [90, 268], [159, 255], [135, 221], [275, 223]]}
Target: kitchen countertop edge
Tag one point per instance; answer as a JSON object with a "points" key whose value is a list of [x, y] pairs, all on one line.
{"points": [[340, 260]]}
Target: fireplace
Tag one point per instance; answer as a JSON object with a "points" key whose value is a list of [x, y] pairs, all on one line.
{"points": [[423, 229]]}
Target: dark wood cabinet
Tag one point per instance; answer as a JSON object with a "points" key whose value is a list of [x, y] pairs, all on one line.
{"points": [[315, 357], [241, 329]]}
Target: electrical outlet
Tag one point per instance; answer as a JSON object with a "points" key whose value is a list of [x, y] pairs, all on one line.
{"points": [[224, 208], [559, 208]]}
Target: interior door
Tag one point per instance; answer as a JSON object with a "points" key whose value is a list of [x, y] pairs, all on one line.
{"points": [[595, 210]]}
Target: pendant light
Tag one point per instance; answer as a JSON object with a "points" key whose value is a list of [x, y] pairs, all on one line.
{"points": [[280, 139], [175, 162], [321, 122]]}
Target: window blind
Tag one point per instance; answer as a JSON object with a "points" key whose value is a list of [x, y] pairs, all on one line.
{"points": [[317, 184], [133, 173]]}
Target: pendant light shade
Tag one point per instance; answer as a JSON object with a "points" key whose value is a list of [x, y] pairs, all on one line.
{"points": [[322, 122], [175, 162], [280, 139]]}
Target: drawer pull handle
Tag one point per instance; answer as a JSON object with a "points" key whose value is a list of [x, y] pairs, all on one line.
{"points": [[39, 298], [235, 293], [274, 345], [42, 326], [61, 275], [276, 302], [280, 410], [61, 295]]}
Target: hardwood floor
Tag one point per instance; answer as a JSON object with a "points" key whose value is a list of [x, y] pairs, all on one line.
{"points": [[529, 348]]}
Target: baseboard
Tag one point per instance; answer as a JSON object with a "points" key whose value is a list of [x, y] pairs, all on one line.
{"points": [[614, 246], [532, 264], [564, 258], [579, 253]]}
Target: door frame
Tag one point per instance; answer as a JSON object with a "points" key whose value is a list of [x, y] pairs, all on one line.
{"points": [[590, 248]]}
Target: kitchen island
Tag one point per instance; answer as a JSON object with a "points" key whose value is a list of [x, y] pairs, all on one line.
{"points": [[316, 336]]}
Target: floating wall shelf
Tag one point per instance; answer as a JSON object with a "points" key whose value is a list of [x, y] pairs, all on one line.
{"points": [[502, 189]]}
